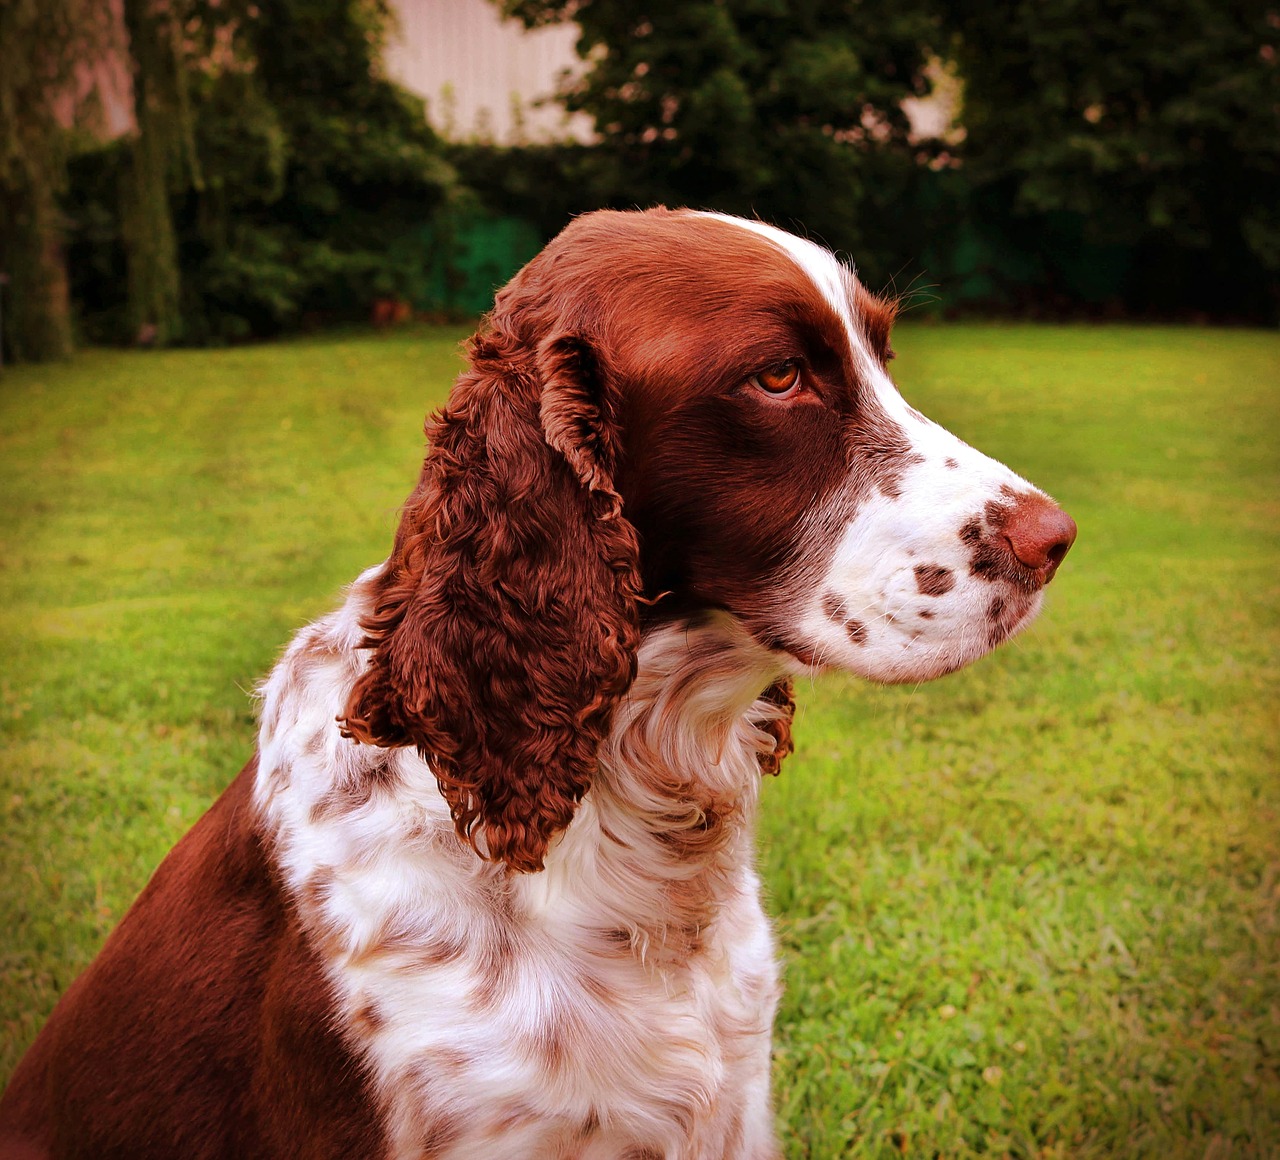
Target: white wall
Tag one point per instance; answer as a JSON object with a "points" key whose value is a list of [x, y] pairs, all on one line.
{"points": [[473, 67]]}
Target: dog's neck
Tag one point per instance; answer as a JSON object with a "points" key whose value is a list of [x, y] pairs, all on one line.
{"points": [[665, 835], [661, 843]]}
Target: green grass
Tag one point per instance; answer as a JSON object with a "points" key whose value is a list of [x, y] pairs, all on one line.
{"points": [[1030, 909]]}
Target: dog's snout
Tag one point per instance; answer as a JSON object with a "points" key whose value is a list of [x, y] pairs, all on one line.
{"points": [[1040, 534]]}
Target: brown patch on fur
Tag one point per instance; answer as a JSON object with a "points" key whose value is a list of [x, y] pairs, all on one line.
{"points": [[599, 990], [315, 890], [330, 805], [511, 1117], [452, 1060], [934, 580], [438, 1134], [702, 833], [368, 1020], [495, 959], [618, 942], [441, 949], [553, 1044], [991, 558], [346, 797], [834, 609], [415, 945], [884, 460], [206, 1022], [997, 513], [734, 1134], [950, 464]]}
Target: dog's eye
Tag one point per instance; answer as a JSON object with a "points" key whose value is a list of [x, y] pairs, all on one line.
{"points": [[780, 381]]}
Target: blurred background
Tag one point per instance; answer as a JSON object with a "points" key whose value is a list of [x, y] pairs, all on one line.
{"points": [[209, 171]]}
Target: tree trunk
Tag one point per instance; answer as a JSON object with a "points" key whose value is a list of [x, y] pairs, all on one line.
{"points": [[151, 247], [36, 303]]}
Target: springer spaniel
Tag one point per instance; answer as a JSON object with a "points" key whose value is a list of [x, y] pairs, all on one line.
{"points": [[488, 889]]}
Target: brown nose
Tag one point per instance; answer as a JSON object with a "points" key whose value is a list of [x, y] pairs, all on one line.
{"points": [[1040, 534]]}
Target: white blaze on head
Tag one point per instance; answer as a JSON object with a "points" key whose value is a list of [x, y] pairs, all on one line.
{"points": [[898, 597]]}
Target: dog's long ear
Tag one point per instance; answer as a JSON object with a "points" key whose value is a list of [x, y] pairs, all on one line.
{"points": [[506, 621]]}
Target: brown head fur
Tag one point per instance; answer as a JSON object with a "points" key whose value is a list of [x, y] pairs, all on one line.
{"points": [[507, 619]]}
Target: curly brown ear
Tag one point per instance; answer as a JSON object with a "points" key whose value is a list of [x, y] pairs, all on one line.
{"points": [[778, 727], [506, 623]]}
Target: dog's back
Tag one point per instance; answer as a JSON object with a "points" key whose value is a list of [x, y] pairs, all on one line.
{"points": [[201, 1029]]}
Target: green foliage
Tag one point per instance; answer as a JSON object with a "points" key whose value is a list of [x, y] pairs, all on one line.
{"points": [[300, 180], [316, 167], [1029, 909], [1154, 127], [544, 184], [1121, 160], [791, 112]]}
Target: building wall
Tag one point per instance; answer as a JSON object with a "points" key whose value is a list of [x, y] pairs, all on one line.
{"points": [[481, 75]]}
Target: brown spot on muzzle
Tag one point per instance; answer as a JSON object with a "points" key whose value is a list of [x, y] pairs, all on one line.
{"points": [[934, 580], [834, 609]]}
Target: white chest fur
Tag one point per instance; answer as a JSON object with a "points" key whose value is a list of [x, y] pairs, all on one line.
{"points": [[617, 1003]]}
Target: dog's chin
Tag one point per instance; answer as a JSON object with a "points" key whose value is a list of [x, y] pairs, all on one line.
{"points": [[909, 659]]}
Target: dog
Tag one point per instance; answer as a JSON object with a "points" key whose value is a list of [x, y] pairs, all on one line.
{"points": [[487, 888]]}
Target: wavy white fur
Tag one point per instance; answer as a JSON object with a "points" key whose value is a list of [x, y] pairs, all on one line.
{"points": [[619, 1002]]}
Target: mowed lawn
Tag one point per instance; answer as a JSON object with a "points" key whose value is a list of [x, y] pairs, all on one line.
{"points": [[1030, 909]]}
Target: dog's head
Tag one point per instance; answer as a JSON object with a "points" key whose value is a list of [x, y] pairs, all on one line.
{"points": [[669, 413]]}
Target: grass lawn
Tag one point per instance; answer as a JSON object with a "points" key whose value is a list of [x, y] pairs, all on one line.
{"points": [[1031, 909]]}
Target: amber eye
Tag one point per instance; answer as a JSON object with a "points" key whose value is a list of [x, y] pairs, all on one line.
{"points": [[778, 381]]}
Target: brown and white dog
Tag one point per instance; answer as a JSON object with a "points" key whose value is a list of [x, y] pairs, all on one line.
{"points": [[488, 888]]}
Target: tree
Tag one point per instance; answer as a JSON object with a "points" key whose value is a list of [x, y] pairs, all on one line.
{"points": [[300, 184], [1150, 127], [318, 176], [41, 44], [791, 111], [162, 112], [362, 172]]}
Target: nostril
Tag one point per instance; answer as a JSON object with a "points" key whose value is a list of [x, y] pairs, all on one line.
{"points": [[1040, 534]]}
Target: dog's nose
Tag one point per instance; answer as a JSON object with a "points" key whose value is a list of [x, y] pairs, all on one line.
{"points": [[1040, 534]]}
